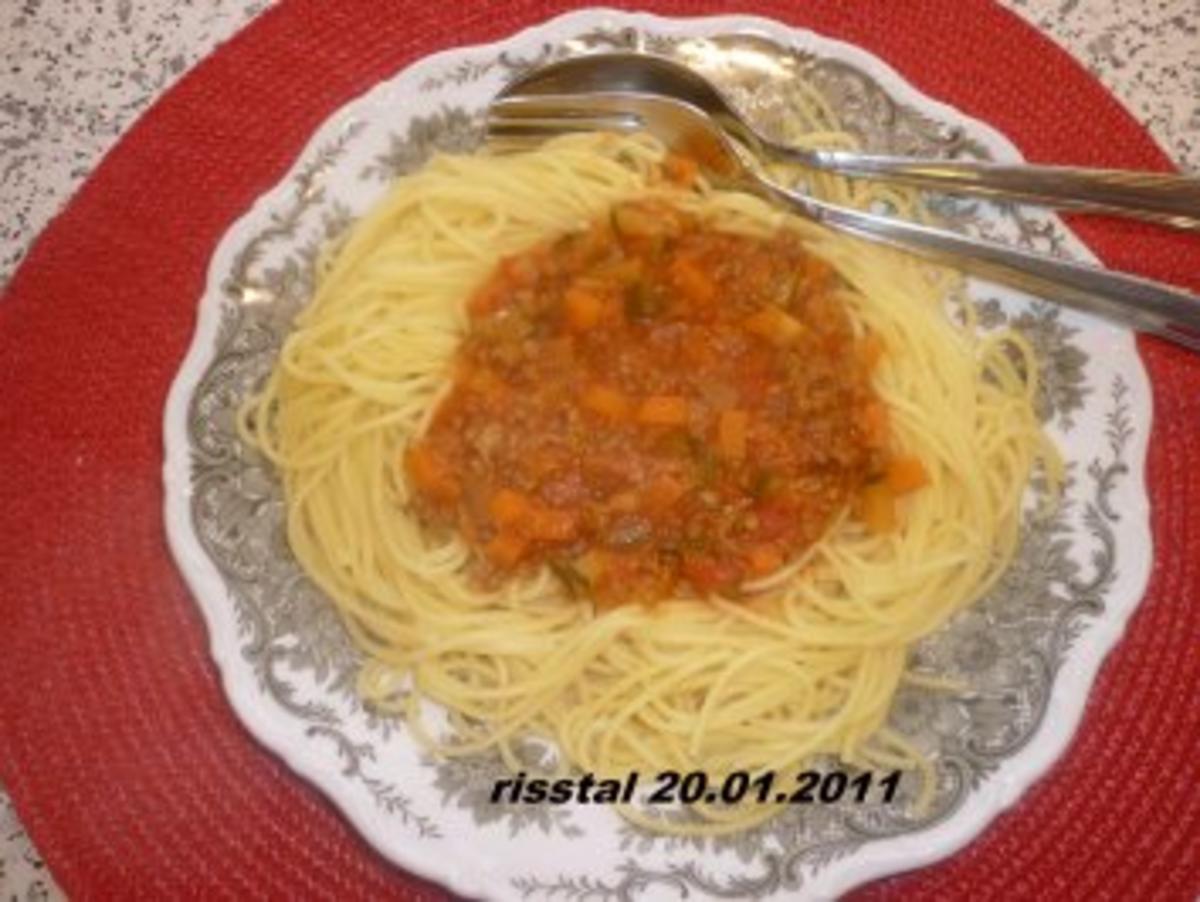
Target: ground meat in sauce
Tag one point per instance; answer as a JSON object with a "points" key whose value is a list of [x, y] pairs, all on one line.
{"points": [[651, 407]]}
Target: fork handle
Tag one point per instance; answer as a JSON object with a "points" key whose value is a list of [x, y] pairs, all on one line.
{"points": [[1150, 306], [1168, 199]]}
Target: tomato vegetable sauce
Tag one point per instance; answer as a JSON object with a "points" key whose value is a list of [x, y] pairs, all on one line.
{"points": [[654, 407]]}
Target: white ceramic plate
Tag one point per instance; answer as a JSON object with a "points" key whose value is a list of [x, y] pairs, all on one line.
{"points": [[1030, 650]]}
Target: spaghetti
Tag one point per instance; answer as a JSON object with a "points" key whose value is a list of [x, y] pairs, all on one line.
{"points": [[805, 664]]}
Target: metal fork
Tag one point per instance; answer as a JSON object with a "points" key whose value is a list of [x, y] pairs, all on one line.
{"points": [[1165, 198], [516, 123]]}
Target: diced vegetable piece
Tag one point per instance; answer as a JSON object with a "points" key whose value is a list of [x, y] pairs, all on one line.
{"points": [[582, 308], [764, 559], [624, 501], [692, 282], [875, 424], [906, 474], [605, 401], [663, 410], [731, 433], [773, 325], [877, 507], [662, 493], [431, 474], [680, 169], [507, 549], [510, 508], [520, 515], [592, 564]]}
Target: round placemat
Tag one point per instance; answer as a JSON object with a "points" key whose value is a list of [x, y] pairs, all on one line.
{"points": [[124, 759]]}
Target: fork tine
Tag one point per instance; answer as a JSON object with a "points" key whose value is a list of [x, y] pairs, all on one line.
{"points": [[517, 124], [508, 137], [535, 119], [574, 107], [554, 125]]}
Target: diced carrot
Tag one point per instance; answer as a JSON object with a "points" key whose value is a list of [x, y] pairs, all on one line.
{"points": [[680, 169], [663, 410], [693, 283], [870, 351], [731, 433], [551, 525], [773, 325], [592, 564], [431, 474], [605, 401], [624, 502], [510, 508], [764, 559], [877, 507], [662, 493], [506, 549], [875, 424], [906, 474], [582, 308]]}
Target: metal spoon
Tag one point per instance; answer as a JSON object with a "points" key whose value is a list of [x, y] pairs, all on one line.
{"points": [[521, 122], [1172, 200]]}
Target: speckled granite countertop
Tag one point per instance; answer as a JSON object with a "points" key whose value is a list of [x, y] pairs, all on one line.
{"points": [[75, 75]]}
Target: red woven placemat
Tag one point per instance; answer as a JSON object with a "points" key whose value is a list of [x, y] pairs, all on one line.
{"points": [[123, 758]]}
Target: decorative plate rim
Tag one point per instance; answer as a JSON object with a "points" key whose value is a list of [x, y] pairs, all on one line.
{"points": [[1070, 689]]}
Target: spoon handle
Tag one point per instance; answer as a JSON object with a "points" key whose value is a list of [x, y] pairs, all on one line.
{"points": [[1167, 199], [1150, 306]]}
